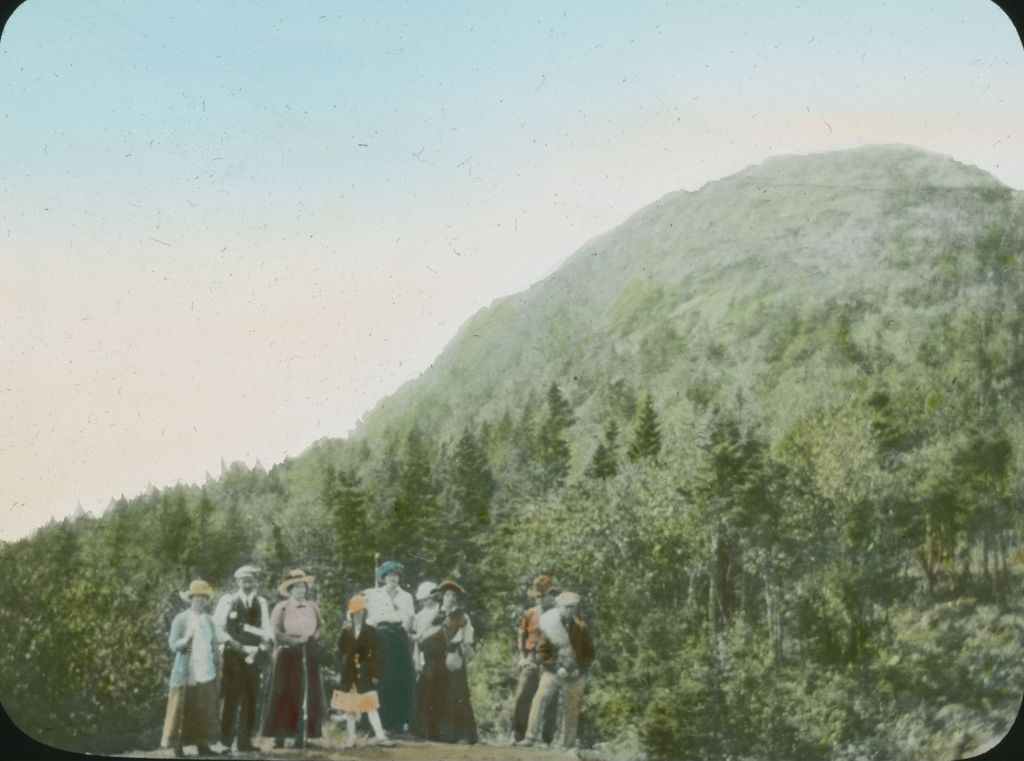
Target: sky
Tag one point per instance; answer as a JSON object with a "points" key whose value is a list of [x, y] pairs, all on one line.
{"points": [[228, 229]]}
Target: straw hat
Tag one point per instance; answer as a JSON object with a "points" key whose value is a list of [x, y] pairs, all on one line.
{"points": [[425, 590], [356, 604], [196, 588], [542, 585], [293, 578]]}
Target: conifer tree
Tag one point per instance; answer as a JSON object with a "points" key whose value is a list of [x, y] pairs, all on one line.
{"points": [[604, 463], [646, 442], [552, 444], [415, 497], [473, 481]]}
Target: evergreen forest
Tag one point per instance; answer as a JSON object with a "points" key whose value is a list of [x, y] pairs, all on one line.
{"points": [[772, 431]]}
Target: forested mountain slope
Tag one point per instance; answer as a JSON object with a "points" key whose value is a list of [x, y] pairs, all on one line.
{"points": [[771, 430]]}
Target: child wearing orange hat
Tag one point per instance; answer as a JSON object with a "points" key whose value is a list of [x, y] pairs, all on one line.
{"points": [[359, 651]]}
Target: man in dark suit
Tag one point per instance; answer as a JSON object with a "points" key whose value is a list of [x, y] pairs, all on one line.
{"points": [[244, 615]]}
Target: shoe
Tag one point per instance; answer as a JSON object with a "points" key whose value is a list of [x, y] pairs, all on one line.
{"points": [[205, 750], [383, 742], [526, 742]]}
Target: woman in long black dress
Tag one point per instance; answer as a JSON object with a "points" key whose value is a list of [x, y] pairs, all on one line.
{"points": [[445, 712]]}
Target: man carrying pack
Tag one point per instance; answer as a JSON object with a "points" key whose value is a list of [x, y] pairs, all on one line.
{"points": [[565, 651]]}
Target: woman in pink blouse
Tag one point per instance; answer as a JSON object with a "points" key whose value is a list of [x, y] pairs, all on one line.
{"points": [[295, 706]]}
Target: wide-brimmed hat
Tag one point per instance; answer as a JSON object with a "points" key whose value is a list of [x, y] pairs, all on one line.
{"points": [[293, 578], [389, 566], [452, 585], [568, 598], [425, 590], [543, 585], [356, 603], [247, 570], [196, 588]]}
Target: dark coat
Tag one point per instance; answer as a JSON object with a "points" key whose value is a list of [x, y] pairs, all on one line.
{"points": [[360, 658], [582, 647]]}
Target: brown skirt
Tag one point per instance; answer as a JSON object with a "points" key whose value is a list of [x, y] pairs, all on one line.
{"points": [[191, 717]]}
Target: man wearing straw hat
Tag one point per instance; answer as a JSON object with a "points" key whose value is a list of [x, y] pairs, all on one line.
{"points": [[245, 617], [390, 609]]}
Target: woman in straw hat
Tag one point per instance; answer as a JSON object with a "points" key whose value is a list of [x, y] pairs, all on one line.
{"points": [[191, 717], [359, 652], [297, 625], [444, 711]]}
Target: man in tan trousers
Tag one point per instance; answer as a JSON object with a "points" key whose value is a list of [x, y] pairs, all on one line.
{"points": [[565, 651]]}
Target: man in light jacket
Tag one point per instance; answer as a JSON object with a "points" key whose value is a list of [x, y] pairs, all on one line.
{"points": [[565, 651]]}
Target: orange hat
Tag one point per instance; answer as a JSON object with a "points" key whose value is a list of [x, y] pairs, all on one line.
{"points": [[356, 604]]}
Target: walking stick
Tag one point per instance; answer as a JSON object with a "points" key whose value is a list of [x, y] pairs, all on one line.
{"points": [[376, 565], [305, 699]]}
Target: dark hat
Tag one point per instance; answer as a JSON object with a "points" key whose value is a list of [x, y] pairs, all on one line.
{"points": [[542, 585], [452, 585], [389, 566]]}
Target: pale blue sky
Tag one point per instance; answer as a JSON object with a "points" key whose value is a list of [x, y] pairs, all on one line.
{"points": [[227, 229]]}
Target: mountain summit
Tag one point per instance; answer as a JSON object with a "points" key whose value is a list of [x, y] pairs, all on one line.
{"points": [[869, 242]]}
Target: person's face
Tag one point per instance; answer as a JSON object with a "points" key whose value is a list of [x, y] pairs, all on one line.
{"points": [[448, 600], [199, 602], [546, 602], [569, 611], [247, 584], [358, 617], [298, 591], [391, 580]]}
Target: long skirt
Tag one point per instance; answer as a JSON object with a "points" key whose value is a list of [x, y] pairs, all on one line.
{"points": [[457, 722], [430, 691], [443, 709], [191, 717], [284, 705], [397, 678]]}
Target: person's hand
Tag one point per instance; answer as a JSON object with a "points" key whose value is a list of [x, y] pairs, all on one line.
{"points": [[562, 673]]}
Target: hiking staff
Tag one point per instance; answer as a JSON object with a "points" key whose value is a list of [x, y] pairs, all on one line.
{"points": [[305, 699]]}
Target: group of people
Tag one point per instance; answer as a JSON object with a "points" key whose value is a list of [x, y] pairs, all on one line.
{"points": [[403, 665]]}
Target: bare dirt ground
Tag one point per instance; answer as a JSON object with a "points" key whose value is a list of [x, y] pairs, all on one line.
{"points": [[330, 746]]}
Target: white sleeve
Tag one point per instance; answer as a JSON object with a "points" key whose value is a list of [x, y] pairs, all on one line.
{"points": [[268, 630], [220, 614]]}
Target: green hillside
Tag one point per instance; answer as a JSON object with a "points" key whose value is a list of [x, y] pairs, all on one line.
{"points": [[772, 431], [868, 251]]}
